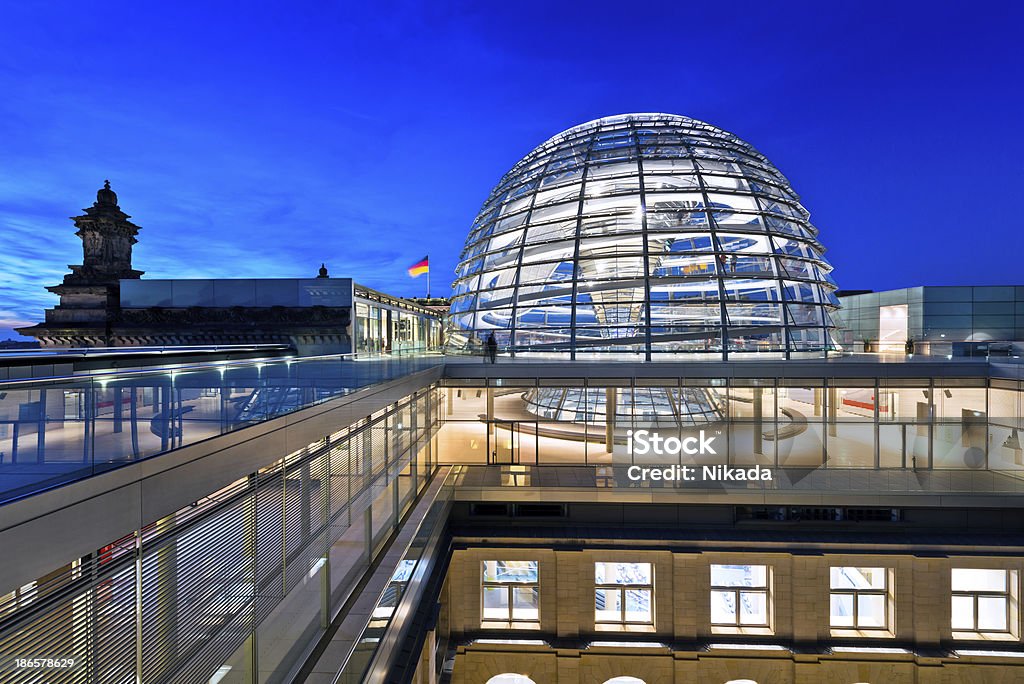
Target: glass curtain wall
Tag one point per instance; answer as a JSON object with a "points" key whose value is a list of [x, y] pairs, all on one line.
{"points": [[369, 338], [950, 424], [381, 329]]}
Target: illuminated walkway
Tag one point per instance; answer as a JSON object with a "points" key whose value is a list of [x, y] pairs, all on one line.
{"points": [[57, 430]]}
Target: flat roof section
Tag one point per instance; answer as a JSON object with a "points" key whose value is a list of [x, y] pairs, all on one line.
{"points": [[853, 366]]}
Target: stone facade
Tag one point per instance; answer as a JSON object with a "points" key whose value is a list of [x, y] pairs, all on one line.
{"points": [[800, 629], [312, 330], [478, 663]]}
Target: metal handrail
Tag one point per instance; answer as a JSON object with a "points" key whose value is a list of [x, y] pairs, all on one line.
{"points": [[111, 374], [422, 544], [342, 374]]}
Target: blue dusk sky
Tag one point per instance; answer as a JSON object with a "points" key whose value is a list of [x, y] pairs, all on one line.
{"points": [[259, 139]]}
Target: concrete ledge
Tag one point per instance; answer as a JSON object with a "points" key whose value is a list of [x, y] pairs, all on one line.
{"points": [[458, 368], [470, 493]]}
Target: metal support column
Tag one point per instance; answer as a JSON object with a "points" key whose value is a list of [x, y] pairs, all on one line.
{"points": [[252, 554], [325, 569], [492, 434], [118, 409], [88, 422], [610, 401], [833, 411], [138, 607], [758, 420], [40, 431]]}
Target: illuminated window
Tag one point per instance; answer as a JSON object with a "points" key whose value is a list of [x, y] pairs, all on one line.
{"points": [[739, 595], [981, 600], [859, 598], [623, 593], [510, 592]]}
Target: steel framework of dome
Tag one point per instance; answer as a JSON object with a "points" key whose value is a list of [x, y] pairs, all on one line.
{"points": [[637, 406], [644, 235]]}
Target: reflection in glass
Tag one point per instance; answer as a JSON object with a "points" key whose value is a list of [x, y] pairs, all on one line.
{"points": [[981, 599], [643, 234], [739, 595], [510, 591], [859, 598], [623, 593]]}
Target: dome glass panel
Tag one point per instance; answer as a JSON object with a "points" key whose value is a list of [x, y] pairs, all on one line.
{"points": [[644, 236]]}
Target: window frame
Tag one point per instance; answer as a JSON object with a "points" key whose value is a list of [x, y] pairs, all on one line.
{"points": [[737, 591], [1006, 596], [509, 587], [622, 589], [884, 592]]}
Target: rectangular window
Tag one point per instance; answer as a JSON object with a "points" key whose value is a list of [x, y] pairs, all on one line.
{"points": [[859, 598], [981, 600], [739, 595], [510, 592], [624, 593]]}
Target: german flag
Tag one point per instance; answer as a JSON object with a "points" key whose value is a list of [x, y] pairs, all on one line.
{"points": [[420, 267]]}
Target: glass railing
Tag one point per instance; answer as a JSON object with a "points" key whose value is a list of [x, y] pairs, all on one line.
{"points": [[62, 429], [393, 611], [91, 352], [796, 480], [268, 559], [37, 363], [748, 355]]}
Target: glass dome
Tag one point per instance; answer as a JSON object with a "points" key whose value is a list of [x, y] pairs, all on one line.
{"points": [[643, 235], [634, 407]]}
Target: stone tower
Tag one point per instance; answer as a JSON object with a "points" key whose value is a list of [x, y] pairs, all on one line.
{"points": [[90, 294], [107, 239]]}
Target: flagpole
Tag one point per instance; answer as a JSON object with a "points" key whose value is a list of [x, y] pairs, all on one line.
{"points": [[428, 276]]}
